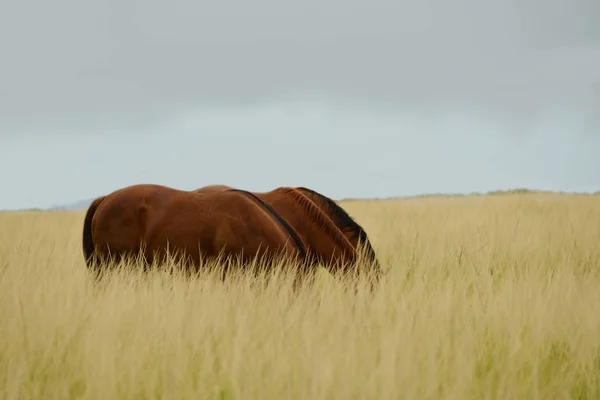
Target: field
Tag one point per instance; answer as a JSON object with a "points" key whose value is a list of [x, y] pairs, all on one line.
{"points": [[487, 297]]}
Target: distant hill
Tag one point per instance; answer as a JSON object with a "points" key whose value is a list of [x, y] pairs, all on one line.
{"points": [[75, 206]]}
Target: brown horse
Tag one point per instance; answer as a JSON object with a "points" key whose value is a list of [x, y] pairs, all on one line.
{"points": [[330, 235], [151, 219]]}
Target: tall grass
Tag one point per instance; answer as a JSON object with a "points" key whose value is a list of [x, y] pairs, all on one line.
{"points": [[487, 297]]}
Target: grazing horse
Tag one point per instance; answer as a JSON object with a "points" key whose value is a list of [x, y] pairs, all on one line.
{"points": [[331, 236], [149, 218]]}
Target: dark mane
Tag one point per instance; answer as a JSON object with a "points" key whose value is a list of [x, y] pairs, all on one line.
{"points": [[280, 219], [344, 221], [316, 215]]}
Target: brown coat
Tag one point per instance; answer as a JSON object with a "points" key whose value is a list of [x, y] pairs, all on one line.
{"points": [[152, 218]]}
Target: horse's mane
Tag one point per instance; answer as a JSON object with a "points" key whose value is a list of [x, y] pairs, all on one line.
{"points": [[315, 214], [345, 221]]}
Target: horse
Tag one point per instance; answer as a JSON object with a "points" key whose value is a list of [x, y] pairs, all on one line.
{"points": [[152, 219], [332, 238]]}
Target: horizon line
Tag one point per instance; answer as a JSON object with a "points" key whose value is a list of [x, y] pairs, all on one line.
{"points": [[64, 207]]}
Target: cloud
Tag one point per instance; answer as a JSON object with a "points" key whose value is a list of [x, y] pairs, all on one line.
{"points": [[119, 62]]}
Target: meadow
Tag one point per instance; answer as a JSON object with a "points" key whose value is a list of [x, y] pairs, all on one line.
{"points": [[486, 297]]}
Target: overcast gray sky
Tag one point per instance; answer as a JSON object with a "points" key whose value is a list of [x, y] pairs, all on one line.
{"points": [[355, 99]]}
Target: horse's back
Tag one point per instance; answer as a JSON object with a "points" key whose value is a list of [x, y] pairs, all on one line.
{"points": [[156, 217], [228, 221]]}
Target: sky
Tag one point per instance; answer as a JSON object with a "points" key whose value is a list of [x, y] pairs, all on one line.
{"points": [[353, 99]]}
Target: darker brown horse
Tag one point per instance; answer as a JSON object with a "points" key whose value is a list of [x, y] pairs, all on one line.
{"points": [[330, 235], [149, 218]]}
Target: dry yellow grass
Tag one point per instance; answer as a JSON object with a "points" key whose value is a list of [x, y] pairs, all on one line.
{"points": [[487, 297]]}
